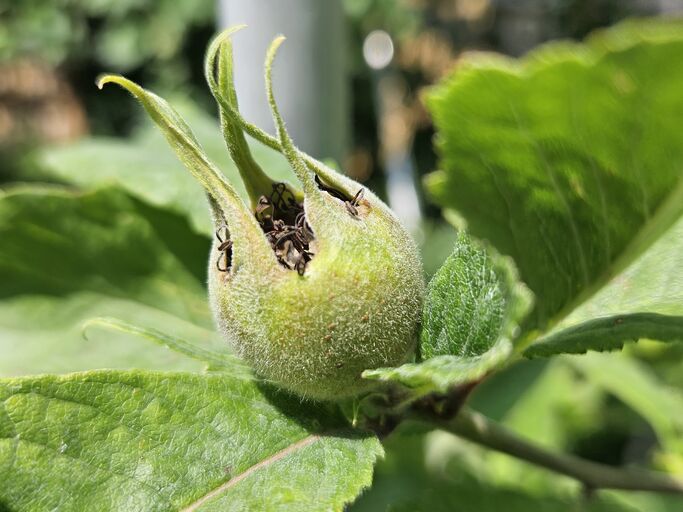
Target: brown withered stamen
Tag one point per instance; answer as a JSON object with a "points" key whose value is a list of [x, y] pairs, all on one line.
{"points": [[286, 228], [225, 250], [353, 204], [263, 204], [358, 197], [350, 204], [283, 221]]}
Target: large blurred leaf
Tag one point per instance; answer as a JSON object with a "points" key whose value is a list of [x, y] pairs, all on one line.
{"points": [[649, 502], [569, 160], [126, 33], [147, 168], [66, 257], [660, 405], [160, 441]]}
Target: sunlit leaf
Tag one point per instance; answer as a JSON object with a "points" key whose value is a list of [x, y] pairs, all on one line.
{"points": [[644, 301], [161, 441], [608, 333], [442, 373], [568, 160]]}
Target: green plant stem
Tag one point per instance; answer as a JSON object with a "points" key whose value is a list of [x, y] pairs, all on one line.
{"points": [[479, 429], [256, 182]]}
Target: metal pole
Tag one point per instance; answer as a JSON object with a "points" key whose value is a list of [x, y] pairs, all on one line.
{"points": [[310, 76]]}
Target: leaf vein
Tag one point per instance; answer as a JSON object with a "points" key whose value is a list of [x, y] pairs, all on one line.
{"points": [[249, 471]]}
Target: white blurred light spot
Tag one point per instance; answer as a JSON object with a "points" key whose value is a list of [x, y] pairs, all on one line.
{"points": [[378, 49]]}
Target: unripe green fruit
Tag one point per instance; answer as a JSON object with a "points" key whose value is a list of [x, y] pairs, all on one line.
{"points": [[310, 287], [356, 306]]}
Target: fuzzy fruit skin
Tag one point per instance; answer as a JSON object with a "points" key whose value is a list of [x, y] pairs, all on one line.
{"points": [[357, 306]]}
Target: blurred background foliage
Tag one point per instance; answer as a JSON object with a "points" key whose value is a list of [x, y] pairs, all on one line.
{"points": [[51, 52], [56, 128]]}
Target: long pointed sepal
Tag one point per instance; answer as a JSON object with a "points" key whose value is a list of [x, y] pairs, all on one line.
{"points": [[248, 237]]}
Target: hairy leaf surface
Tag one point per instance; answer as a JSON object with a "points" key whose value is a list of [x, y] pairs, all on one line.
{"points": [[470, 302], [110, 440], [442, 373], [608, 333]]}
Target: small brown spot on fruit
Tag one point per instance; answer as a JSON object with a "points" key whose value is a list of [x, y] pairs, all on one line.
{"points": [[332, 326], [328, 337], [365, 318]]}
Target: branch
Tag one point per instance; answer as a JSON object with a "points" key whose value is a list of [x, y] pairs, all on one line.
{"points": [[477, 428]]}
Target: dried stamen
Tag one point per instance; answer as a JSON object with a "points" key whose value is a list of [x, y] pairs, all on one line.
{"points": [[225, 250], [350, 204], [263, 204], [286, 228]]}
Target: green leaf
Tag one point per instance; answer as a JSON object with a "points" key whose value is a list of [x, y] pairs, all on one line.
{"points": [[568, 160], [66, 257], [650, 502], [145, 167], [653, 283], [443, 373], [471, 301], [110, 440], [472, 310], [608, 333]]}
